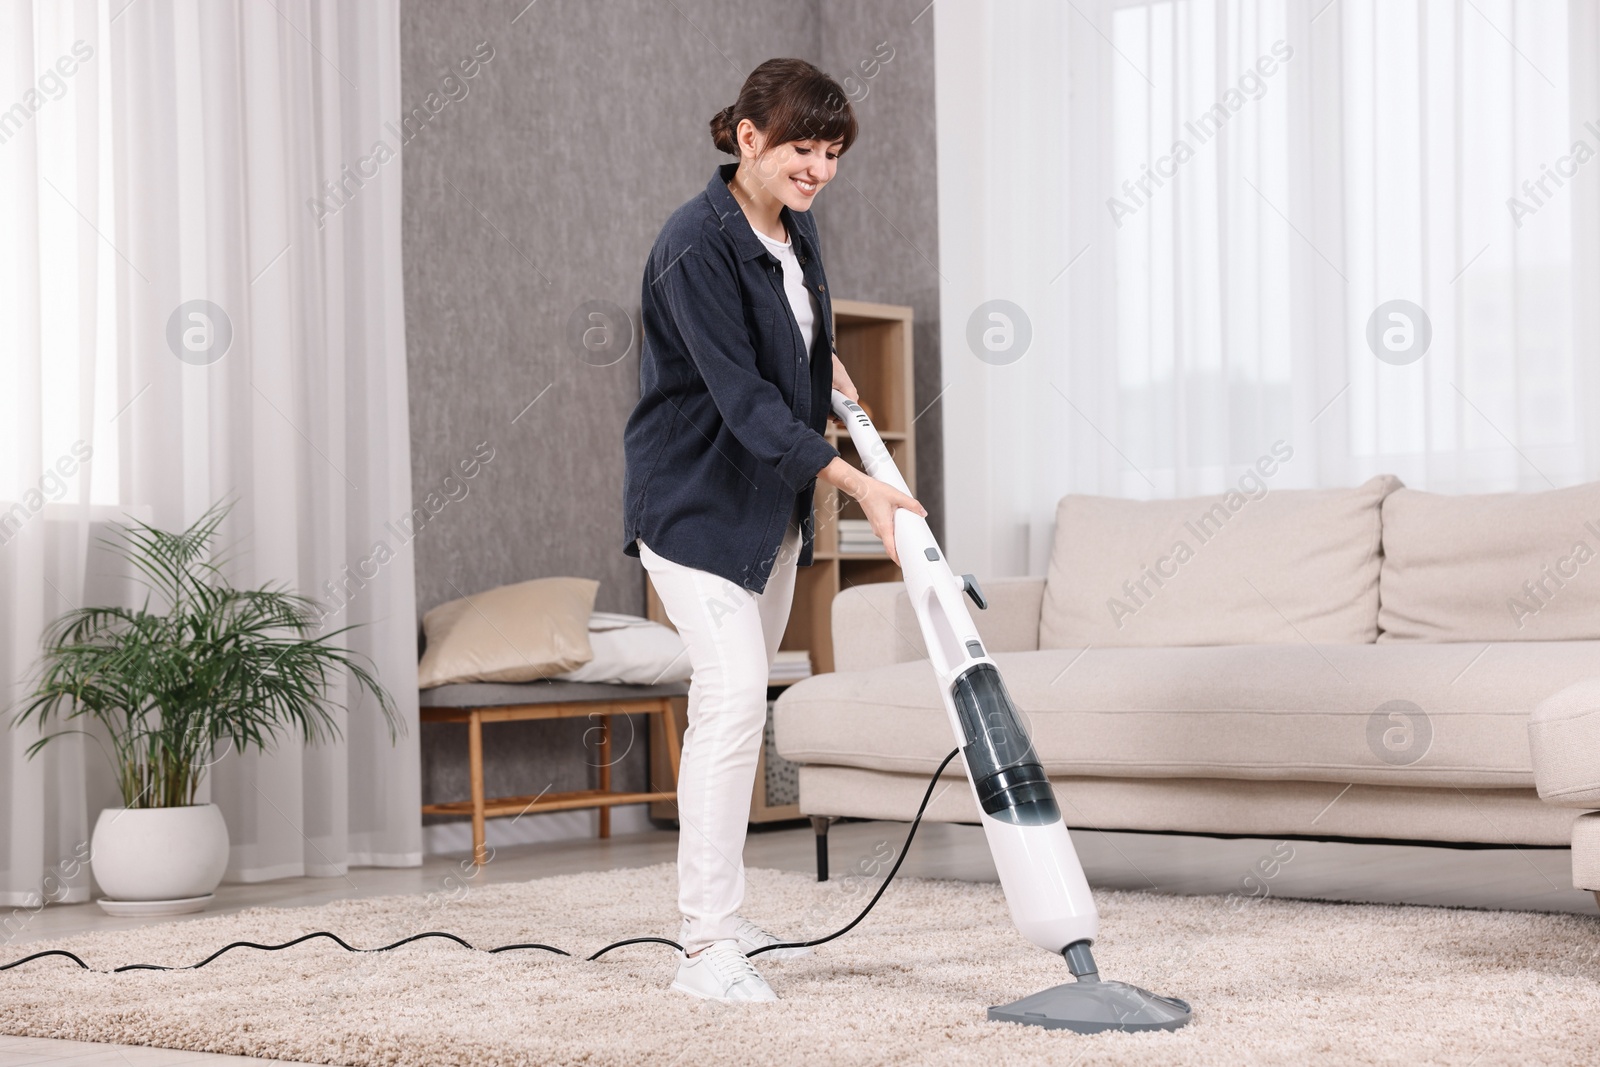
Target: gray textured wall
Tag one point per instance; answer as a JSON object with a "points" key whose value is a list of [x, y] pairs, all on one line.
{"points": [[539, 185], [542, 189], [880, 222]]}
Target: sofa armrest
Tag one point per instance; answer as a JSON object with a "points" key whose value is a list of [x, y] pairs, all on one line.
{"points": [[874, 626], [1012, 622], [1586, 853], [1564, 741]]}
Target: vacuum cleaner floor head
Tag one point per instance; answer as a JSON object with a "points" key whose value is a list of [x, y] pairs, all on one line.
{"points": [[1093, 1007]]}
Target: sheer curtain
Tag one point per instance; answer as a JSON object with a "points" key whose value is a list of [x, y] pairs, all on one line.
{"points": [[199, 251], [1365, 229]]}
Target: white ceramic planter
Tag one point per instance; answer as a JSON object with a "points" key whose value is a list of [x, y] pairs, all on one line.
{"points": [[166, 854]]}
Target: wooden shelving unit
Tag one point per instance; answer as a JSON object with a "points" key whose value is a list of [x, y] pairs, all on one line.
{"points": [[874, 343]]}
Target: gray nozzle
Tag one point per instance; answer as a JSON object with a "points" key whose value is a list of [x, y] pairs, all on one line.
{"points": [[1080, 961]]}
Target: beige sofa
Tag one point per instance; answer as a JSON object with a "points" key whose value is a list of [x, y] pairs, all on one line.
{"points": [[1352, 663]]}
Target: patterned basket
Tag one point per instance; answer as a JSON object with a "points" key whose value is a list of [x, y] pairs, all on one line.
{"points": [[783, 776]]}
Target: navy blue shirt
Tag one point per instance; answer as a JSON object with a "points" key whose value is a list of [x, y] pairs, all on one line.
{"points": [[726, 441]]}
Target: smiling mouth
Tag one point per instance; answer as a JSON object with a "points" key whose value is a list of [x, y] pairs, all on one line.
{"points": [[808, 188]]}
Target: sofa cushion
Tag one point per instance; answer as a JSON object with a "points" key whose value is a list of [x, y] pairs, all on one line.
{"points": [[1425, 715], [1564, 737], [1493, 567], [1251, 566]]}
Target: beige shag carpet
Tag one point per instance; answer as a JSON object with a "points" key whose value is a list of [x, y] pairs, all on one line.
{"points": [[1273, 982]]}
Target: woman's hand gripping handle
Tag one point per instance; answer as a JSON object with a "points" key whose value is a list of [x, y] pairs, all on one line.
{"points": [[880, 492]]}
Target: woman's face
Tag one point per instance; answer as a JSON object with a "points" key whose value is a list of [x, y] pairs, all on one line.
{"points": [[793, 172]]}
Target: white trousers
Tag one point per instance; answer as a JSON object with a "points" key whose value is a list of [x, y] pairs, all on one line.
{"points": [[732, 637]]}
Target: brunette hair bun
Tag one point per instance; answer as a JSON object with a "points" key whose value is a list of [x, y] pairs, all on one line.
{"points": [[788, 100], [722, 129]]}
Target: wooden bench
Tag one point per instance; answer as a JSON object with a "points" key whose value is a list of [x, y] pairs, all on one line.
{"points": [[477, 703]]}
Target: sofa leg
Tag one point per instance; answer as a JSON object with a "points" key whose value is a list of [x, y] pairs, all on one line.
{"points": [[820, 824]]}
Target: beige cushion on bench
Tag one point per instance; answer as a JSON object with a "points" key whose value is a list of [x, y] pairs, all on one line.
{"points": [[1221, 712], [512, 633], [1564, 736]]}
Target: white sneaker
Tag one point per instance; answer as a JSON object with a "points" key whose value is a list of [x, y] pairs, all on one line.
{"points": [[750, 937], [722, 972]]}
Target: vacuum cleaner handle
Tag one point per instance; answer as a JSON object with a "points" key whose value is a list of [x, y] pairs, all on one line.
{"points": [[875, 457], [934, 589]]}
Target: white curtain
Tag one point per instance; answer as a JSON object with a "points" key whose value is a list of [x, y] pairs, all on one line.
{"points": [[1197, 210], [200, 262]]}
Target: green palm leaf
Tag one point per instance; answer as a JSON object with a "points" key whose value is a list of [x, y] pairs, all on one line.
{"points": [[197, 664]]}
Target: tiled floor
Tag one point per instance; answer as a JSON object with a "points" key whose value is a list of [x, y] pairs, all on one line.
{"points": [[1523, 879]]}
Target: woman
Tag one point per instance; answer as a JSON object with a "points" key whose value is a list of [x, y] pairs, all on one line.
{"points": [[723, 452]]}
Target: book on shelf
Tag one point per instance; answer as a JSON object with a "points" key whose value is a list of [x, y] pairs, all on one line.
{"points": [[860, 544], [791, 665], [855, 535]]}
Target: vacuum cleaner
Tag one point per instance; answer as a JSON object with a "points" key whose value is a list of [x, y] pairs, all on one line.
{"points": [[1044, 886]]}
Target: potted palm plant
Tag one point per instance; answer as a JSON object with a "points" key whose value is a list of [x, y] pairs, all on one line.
{"points": [[199, 663]]}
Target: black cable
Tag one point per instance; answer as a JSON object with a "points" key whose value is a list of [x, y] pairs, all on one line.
{"points": [[915, 822], [274, 948], [635, 941], [910, 834]]}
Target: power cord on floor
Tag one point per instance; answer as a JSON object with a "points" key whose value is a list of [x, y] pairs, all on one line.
{"points": [[910, 834]]}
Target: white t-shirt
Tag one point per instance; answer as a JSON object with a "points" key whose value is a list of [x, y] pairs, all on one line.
{"points": [[801, 299]]}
